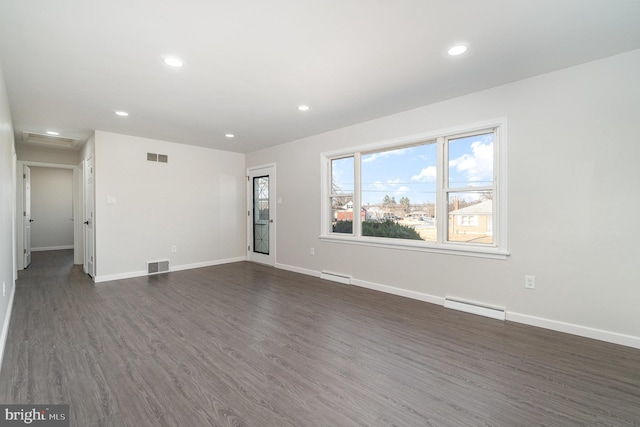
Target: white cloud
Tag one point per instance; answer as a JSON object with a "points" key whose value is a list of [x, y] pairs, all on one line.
{"points": [[426, 175], [477, 166], [368, 158], [402, 189], [379, 185]]}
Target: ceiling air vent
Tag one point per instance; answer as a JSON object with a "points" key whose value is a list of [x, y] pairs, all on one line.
{"points": [[49, 140]]}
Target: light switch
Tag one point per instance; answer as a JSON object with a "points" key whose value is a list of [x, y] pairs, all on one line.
{"points": [[111, 200], [279, 200]]}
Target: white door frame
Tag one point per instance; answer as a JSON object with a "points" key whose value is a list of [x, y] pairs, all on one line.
{"points": [[88, 218], [14, 222], [78, 214], [26, 216], [269, 169], [20, 203]]}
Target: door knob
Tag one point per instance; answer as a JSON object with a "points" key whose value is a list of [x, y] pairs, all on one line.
{"points": [[86, 222], [31, 220]]}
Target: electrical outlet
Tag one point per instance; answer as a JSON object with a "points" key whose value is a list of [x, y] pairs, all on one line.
{"points": [[174, 249], [312, 251], [530, 282]]}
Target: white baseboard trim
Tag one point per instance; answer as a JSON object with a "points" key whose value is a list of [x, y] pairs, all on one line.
{"points": [[5, 325], [119, 276], [51, 248], [370, 285], [554, 325], [298, 270], [570, 328], [133, 274], [207, 263], [399, 291]]}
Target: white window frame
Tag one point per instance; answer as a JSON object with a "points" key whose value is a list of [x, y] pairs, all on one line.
{"points": [[496, 250]]}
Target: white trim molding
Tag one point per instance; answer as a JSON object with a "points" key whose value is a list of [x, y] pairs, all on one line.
{"points": [[134, 274], [554, 325], [298, 270], [573, 329], [5, 327], [51, 248], [207, 263]]}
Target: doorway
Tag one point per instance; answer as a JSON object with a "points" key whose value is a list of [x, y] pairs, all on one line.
{"points": [[65, 205], [261, 214]]}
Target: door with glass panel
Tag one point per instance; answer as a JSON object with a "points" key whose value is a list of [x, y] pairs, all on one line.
{"points": [[261, 214]]}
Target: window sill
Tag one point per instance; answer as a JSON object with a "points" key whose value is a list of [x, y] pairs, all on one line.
{"points": [[450, 249]]}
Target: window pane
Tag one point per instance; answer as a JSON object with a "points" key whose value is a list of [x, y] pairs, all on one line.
{"points": [[471, 161], [471, 217], [261, 214], [342, 214], [342, 182], [399, 192], [342, 176]]}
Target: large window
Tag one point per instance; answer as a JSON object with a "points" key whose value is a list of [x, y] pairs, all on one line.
{"points": [[437, 192]]}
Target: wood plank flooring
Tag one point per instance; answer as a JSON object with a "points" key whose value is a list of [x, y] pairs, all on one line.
{"points": [[247, 345]]}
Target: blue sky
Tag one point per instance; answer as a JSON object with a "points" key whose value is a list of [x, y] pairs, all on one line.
{"points": [[411, 171]]}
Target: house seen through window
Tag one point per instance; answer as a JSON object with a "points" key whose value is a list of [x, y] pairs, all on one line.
{"points": [[437, 192]]}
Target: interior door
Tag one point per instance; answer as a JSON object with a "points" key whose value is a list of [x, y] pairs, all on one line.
{"points": [[261, 215], [27, 215], [89, 236]]}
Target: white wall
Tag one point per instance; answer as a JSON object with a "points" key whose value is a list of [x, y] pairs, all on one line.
{"points": [[88, 148], [51, 208], [7, 220], [572, 203], [195, 202], [47, 155]]}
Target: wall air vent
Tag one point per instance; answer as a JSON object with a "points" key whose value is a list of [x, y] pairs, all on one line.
{"points": [[161, 158], [49, 141], [157, 267]]}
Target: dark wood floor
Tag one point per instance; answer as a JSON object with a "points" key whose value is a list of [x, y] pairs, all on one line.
{"points": [[243, 344]]}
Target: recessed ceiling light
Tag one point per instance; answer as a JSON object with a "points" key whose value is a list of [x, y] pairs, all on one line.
{"points": [[458, 49], [229, 135], [50, 132], [172, 61], [122, 113], [303, 107]]}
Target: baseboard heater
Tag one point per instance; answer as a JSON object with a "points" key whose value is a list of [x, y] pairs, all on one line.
{"points": [[476, 308], [157, 267], [336, 277]]}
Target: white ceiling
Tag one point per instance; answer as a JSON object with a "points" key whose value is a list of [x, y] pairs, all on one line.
{"points": [[69, 64]]}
